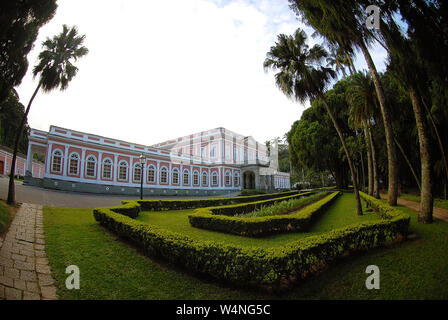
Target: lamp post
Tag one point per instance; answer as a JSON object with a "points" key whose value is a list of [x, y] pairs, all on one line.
{"points": [[142, 166]]}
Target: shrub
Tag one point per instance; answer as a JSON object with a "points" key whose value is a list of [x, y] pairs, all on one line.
{"points": [[261, 226], [274, 268], [5, 218], [284, 207], [242, 208], [251, 192], [160, 205]]}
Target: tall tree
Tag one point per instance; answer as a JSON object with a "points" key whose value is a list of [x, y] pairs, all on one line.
{"points": [[55, 70], [20, 21], [301, 76], [362, 100], [343, 22], [407, 69]]}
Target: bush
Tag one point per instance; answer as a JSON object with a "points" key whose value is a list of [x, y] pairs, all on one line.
{"points": [[261, 226], [251, 192], [5, 218], [160, 205], [284, 207], [242, 208], [274, 268]]}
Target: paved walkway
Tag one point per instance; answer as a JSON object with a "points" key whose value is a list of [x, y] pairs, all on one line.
{"points": [[65, 199], [438, 213], [24, 270]]}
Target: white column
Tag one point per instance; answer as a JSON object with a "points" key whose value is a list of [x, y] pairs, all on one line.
{"points": [[115, 169], [29, 160], [65, 161], [48, 159], [98, 170], [83, 156]]}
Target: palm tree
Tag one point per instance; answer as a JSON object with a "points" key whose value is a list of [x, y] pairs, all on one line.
{"points": [[301, 76], [362, 100], [342, 22], [55, 70], [337, 61]]}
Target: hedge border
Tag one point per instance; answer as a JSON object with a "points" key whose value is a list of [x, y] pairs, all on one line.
{"points": [[161, 205], [300, 221], [274, 268]]}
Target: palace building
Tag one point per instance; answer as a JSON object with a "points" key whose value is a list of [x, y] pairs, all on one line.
{"points": [[216, 161]]}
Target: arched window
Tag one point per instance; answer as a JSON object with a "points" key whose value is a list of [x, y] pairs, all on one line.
{"points": [[175, 176], [204, 178], [151, 174], [137, 172], [236, 180], [90, 166], [214, 178], [73, 164], [228, 179], [164, 175], [123, 171], [107, 169], [57, 161], [195, 178], [186, 177]]}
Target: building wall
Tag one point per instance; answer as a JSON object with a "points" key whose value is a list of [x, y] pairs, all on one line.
{"points": [[20, 170], [85, 162]]}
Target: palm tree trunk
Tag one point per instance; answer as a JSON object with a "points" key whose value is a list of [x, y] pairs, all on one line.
{"points": [[426, 199], [351, 65], [391, 151], [11, 186], [376, 177], [442, 150], [347, 153], [363, 173], [369, 160], [417, 180]]}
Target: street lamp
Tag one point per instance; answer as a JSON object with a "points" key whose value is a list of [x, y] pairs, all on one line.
{"points": [[142, 166]]}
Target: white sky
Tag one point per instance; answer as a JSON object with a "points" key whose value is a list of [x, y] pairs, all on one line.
{"points": [[158, 70]]}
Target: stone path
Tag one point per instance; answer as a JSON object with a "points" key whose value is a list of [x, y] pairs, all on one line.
{"points": [[24, 270], [438, 213]]}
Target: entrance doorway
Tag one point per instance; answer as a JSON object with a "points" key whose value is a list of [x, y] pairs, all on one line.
{"points": [[249, 180]]}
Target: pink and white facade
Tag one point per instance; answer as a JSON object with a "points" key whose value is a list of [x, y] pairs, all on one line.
{"points": [[209, 162], [37, 168]]}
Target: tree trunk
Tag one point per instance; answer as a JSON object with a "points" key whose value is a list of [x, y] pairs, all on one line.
{"points": [[442, 150], [426, 199], [376, 177], [11, 187], [417, 180], [391, 151], [347, 153], [369, 160], [363, 173]]}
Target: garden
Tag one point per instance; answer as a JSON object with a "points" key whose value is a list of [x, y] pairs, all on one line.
{"points": [[137, 253]]}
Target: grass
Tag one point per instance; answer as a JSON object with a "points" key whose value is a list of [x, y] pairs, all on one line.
{"points": [[111, 269], [340, 214], [5, 216], [283, 207], [440, 203]]}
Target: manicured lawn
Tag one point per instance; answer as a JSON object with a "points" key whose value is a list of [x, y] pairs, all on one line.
{"points": [[340, 214], [111, 269], [440, 203]]}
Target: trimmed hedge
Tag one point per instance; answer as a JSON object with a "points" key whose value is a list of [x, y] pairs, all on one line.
{"points": [[234, 209], [160, 205], [260, 226], [274, 268]]}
